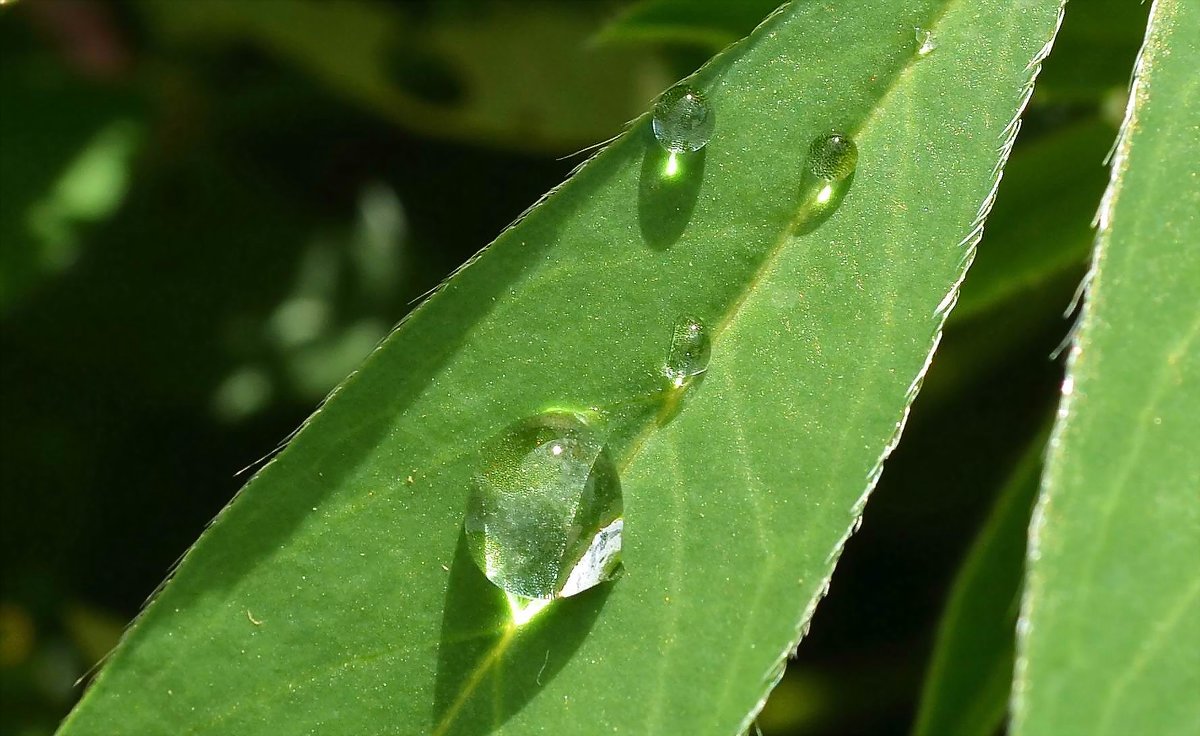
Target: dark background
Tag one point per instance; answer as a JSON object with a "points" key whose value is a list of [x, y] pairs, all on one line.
{"points": [[202, 231]]}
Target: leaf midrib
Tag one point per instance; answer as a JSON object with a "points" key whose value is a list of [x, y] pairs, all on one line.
{"points": [[783, 239], [731, 313]]}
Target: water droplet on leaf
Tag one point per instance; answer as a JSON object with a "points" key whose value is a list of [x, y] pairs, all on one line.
{"points": [[829, 171], [544, 517], [691, 347], [832, 157], [926, 41], [683, 120], [687, 362]]}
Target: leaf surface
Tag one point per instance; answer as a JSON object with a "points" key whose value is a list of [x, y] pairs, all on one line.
{"points": [[711, 23], [1110, 625], [335, 594]]}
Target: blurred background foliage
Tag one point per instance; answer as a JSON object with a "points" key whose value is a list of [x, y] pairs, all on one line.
{"points": [[211, 210]]}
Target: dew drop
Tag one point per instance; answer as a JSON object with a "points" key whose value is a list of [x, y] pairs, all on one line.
{"points": [[686, 364], [683, 120], [691, 347], [544, 516], [832, 157], [926, 41], [829, 171]]}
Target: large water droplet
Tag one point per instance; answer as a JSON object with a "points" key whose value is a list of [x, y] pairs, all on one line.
{"points": [[683, 120], [926, 41], [544, 517], [829, 171]]}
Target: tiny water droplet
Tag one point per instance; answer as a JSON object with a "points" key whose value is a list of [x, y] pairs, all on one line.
{"points": [[926, 41], [544, 517], [829, 171], [691, 347], [683, 120], [686, 364], [832, 157]]}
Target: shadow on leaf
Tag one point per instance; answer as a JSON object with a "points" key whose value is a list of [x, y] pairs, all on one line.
{"points": [[819, 199], [667, 192], [488, 668]]}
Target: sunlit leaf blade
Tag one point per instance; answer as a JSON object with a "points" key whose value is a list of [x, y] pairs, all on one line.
{"points": [[714, 23], [1110, 626], [336, 589], [966, 690]]}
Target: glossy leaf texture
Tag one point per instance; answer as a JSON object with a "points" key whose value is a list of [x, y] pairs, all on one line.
{"points": [[1110, 624], [336, 592], [968, 684]]}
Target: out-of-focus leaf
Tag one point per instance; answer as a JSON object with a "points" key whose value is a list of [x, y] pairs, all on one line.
{"points": [[94, 631], [967, 687], [711, 23], [1097, 40], [336, 589], [66, 148], [1041, 227], [521, 76], [1110, 624]]}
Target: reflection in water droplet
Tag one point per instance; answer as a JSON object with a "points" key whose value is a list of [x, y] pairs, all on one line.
{"points": [[829, 171], [683, 122], [595, 566], [544, 517], [926, 41]]}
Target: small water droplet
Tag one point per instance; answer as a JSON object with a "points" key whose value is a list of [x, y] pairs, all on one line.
{"points": [[691, 347], [686, 364], [683, 120], [544, 517], [926, 41], [832, 157], [829, 171]]}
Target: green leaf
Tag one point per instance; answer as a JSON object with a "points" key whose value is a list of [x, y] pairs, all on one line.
{"points": [[967, 687], [1097, 45], [1110, 625], [522, 76], [712, 23], [66, 150], [1032, 255], [336, 590], [1041, 227]]}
